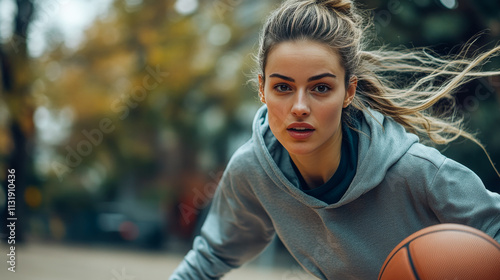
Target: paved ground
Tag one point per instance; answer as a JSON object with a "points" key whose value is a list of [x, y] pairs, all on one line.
{"points": [[47, 261]]}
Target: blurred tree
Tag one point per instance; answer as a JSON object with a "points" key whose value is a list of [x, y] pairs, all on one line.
{"points": [[156, 97], [15, 88]]}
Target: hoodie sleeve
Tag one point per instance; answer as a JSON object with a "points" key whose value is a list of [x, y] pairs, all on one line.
{"points": [[457, 195], [237, 228]]}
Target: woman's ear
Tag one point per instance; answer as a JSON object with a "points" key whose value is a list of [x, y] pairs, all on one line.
{"points": [[351, 91], [261, 89]]}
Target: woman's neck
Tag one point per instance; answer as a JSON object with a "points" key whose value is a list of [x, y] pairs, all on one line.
{"points": [[318, 167]]}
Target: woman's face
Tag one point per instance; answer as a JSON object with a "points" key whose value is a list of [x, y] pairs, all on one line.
{"points": [[305, 92]]}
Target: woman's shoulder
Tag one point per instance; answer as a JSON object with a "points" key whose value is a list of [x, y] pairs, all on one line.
{"points": [[422, 161], [243, 159], [422, 154]]}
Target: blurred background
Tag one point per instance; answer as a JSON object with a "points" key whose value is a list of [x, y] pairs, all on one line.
{"points": [[119, 117]]}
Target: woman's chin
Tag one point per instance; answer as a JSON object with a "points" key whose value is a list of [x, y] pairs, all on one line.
{"points": [[299, 149]]}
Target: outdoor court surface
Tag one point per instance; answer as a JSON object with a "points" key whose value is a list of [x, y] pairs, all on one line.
{"points": [[55, 261]]}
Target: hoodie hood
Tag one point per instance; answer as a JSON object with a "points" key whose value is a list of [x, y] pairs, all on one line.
{"points": [[382, 142]]}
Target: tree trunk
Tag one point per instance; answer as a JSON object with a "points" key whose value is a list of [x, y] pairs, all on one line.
{"points": [[16, 80]]}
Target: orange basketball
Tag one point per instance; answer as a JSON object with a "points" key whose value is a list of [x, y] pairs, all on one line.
{"points": [[445, 251]]}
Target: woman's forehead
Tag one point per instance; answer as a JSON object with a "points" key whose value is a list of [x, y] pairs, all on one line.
{"points": [[303, 58]]}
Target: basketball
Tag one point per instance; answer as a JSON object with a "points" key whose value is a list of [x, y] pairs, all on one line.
{"points": [[444, 251]]}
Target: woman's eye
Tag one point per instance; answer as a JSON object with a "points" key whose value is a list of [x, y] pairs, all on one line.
{"points": [[282, 88], [321, 88]]}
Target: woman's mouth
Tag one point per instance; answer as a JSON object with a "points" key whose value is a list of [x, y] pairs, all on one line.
{"points": [[300, 131]]}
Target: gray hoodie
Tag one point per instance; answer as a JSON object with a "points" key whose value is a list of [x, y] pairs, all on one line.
{"points": [[400, 187]]}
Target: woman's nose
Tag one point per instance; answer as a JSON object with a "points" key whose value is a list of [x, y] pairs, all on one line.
{"points": [[300, 106]]}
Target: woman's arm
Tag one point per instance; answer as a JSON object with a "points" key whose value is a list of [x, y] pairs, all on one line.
{"points": [[457, 195], [237, 228]]}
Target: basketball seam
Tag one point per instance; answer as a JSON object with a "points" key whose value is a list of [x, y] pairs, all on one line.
{"points": [[413, 268], [392, 256], [389, 261]]}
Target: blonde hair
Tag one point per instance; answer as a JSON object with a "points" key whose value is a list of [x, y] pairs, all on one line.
{"points": [[340, 25]]}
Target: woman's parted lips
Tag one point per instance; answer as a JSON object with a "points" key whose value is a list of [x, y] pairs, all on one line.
{"points": [[300, 126]]}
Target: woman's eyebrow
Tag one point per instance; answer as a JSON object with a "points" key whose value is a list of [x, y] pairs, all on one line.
{"points": [[320, 76], [281, 77], [313, 78]]}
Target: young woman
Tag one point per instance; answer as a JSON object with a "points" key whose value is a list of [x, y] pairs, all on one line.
{"points": [[335, 167]]}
